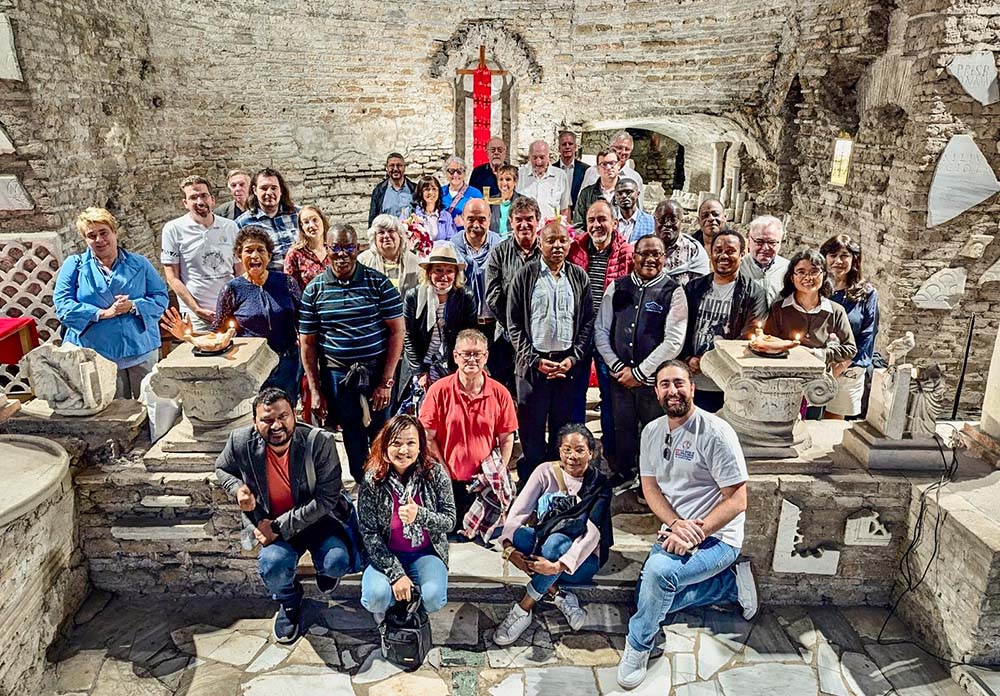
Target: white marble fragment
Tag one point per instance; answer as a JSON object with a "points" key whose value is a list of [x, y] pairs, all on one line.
{"points": [[511, 686], [74, 381], [12, 194], [992, 274], [787, 559], [712, 656], [942, 290], [865, 529], [962, 179], [6, 146], [10, 69], [977, 73], [976, 246]]}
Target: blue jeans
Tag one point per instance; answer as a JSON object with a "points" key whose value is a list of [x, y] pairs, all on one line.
{"points": [[552, 550], [670, 583], [424, 568], [278, 561], [286, 375], [343, 408], [604, 383]]}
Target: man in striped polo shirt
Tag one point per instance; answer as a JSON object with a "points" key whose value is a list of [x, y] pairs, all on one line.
{"points": [[351, 335]]}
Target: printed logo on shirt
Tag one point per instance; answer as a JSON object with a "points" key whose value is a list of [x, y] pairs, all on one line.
{"points": [[684, 451], [652, 306]]}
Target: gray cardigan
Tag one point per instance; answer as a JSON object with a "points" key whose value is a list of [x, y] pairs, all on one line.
{"points": [[244, 460], [436, 515], [519, 315]]}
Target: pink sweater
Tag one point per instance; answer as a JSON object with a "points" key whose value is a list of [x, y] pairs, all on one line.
{"points": [[543, 481]]}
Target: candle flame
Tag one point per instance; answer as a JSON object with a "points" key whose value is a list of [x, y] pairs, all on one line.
{"points": [[797, 337]]}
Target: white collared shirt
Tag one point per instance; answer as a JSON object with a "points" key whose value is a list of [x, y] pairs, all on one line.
{"points": [[550, 191]]}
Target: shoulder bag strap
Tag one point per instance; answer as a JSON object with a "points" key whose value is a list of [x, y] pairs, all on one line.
{"points": [[558, 472]]}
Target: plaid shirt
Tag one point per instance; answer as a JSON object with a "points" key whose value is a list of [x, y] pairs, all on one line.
{"points": [[284, 228], [639, 226], [494, 495]]}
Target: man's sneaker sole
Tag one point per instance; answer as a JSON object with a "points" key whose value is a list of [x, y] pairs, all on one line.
{"points": [[746, 588]]}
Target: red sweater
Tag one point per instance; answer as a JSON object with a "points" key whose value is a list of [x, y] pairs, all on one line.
{"points": [[619, 263]]}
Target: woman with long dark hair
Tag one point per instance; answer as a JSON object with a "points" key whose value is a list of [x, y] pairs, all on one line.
{"points": [[860, 300], [428, 205], [405, 509], [570, 501]]}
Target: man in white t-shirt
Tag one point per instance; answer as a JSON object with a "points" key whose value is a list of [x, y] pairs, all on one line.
{"points": [[694, 480], [197, 254]]}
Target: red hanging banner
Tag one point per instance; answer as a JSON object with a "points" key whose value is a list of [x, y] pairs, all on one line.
{"points": [[482, 107]]}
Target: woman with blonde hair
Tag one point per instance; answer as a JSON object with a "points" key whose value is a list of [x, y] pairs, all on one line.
{"points": [[310, 253], [389, 253], [111, 300]]}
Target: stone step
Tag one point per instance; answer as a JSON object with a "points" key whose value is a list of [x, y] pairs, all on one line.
{"points": [[159, 458], [160, 530]]}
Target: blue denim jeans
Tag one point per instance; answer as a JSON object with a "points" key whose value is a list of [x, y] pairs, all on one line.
{"points": [[277, 562], [343, 408], [286, 375], [604, 382], [669, 583], [424, 568], [552, 550]]}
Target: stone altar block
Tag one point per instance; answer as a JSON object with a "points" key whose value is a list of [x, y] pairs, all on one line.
{"points": [[216, 392], [74, 381], [764, 395]]}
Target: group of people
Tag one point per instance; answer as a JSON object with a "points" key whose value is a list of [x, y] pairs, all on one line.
{"points": [[477, 314]]}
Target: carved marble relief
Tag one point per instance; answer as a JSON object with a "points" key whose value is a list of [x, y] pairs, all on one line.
{"points": [[962, 179]]}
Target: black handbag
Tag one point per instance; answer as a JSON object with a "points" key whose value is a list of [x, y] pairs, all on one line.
{"points": [[406, 633]]}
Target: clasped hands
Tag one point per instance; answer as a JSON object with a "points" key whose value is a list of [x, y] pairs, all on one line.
{"points": [[684, 535], [263, 532], [121, 305], [555, 370]]}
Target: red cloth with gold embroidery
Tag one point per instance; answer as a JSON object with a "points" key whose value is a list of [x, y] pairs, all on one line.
{"points": [[18, 335], [482, 110]]}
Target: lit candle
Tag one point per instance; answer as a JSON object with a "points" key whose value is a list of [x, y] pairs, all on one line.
{"points": [[759, 331], [797, 337]]}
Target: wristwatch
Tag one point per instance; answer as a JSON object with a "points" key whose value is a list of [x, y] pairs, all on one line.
{"points": [[507, 552], [387, 383]]}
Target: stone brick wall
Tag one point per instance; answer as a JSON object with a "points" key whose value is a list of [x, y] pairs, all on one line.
{"points": [[118, 104]]}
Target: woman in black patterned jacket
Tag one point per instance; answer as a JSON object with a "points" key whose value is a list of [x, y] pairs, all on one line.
{"points": [[405, 508]]}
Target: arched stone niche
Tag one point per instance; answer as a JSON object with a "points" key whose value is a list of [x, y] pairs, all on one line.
{"points": [[505, 50]]}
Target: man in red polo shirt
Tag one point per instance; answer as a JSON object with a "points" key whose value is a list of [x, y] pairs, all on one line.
{"points": [[470, 421]]}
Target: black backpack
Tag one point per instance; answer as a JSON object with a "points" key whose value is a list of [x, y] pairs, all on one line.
{"points": [[406, 633]]}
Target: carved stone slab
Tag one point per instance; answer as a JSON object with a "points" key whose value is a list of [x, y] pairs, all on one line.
{"points": [[9, 67], [74, 381], [991, 275], [6, 146], [889, 396], [788, 558], [12, 194], [977, 73], [863, 528], [942, 290], [962, 179], [976, 245]]}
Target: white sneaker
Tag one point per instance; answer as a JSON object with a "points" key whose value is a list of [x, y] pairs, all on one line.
{"points": [[746, 588], [511, 628], [632, 668], [569, 605]]}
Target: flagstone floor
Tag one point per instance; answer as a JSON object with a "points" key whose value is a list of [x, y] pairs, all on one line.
{"points": [[199, 647]]}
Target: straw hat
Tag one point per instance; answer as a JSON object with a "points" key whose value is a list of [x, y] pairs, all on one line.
{"points": [[444, 253]]}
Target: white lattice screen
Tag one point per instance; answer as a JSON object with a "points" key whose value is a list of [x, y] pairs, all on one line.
{"points": [[29, 264]]}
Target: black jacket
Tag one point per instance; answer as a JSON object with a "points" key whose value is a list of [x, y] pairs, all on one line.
{"points": [[749, 307], [519, 315], [379, 193], [460, 312], [503, 264], [579, 171]]}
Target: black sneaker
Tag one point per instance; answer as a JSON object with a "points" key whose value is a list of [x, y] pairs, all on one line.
{"points": [[326, 584], [286, 623]]}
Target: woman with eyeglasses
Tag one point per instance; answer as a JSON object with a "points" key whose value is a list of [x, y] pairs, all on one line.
{"points": [[429, 207], [262, 303], [389, 253], [434, 313], [860, 300], [804, 312], [570, 501], [457, 193]]}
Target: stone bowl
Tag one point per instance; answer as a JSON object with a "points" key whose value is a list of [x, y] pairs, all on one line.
{"points": [[33, 469]]}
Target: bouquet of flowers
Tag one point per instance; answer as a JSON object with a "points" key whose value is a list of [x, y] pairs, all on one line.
{"points": [[420, 241], [562, 220]]}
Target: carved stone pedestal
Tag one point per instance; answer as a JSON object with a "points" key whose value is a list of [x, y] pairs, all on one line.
{"points": [[216, 393], [764, 395]]}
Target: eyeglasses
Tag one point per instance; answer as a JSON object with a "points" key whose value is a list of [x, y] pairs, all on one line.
{"points": [[807, 274], [338, 249], [650, 254], [471, 354], [666, 446], [567, 450], [769, 243], [609, 165], [453, 172]]}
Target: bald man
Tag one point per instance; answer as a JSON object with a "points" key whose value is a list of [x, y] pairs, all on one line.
{"points": [[474, 245], [544, 182], [485, 175]]}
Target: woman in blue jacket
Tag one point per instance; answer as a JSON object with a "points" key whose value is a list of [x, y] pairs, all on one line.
{"points": [[111, 300]]}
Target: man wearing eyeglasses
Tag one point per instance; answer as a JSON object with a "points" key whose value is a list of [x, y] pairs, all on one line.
{"points": [[694, 479], [602, 189], [485, 175], [641, 324], [468, 417], [622, 145], [394, 194], [351, 336], [763, 264]]}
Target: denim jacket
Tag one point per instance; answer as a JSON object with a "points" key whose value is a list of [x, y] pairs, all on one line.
{"points": [[82, 291]]}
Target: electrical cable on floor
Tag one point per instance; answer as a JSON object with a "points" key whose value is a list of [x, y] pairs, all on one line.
{"points": [[948, 473]]}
